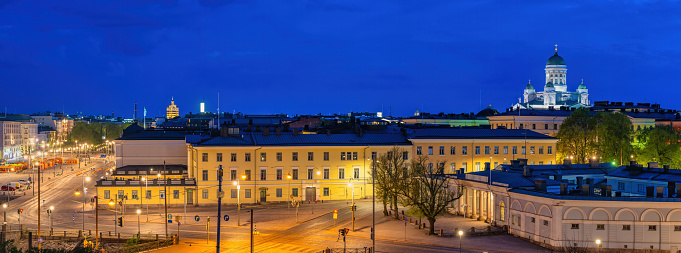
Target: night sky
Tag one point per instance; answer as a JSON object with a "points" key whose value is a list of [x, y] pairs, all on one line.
{"points": [[317, 56]]}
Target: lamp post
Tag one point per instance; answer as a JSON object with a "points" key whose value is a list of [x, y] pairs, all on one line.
{"points": [[146, 185], [84, 197], [139, 231], [49, 214], [352, 207], [4, 211], [288, 206], [112, 203], [598, 244], [238, 200], [460, 236]]}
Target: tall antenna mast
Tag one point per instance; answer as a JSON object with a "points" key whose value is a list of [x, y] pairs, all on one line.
{"points": [[219, 111]]}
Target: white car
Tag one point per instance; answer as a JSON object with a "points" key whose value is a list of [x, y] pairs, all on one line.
{"points": [[24, 182]]}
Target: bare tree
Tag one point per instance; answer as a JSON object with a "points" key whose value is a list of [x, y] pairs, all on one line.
{"points": [[390, 167], [425, 188]]}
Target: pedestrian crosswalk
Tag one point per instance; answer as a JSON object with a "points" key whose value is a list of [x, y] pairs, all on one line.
{"points": [[283, 247]]}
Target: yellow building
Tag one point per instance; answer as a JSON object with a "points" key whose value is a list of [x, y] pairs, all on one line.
{"points": [[172, 111], [470, 149], [262, 166], [144, 184]]}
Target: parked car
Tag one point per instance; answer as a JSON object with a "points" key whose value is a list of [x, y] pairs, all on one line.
{"points": [[11, 188], [24, 182]]}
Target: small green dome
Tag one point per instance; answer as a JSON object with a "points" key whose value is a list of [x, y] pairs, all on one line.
{"points": [[555, 60], [529, 86], [581, 86], [549, 85]]}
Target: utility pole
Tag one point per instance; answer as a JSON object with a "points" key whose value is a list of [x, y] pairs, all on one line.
{"points": [[165, 196], [251, 230], [39, 244], [96, 222], [373, 204], [220, 194]]}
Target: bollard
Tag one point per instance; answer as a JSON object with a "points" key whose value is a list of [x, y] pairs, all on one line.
{"points": [[89, 232], [109, 233], [30, 240], [442, 233], [100, 235], [156, 237], [119, 235], [51, 231], [64, 233], [80, 233]]}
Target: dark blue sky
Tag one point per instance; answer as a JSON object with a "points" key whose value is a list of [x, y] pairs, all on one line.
{"points": [[317, 56]]}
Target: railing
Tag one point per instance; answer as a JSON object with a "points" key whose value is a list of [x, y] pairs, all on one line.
{"points": [[347, 250], [155, 182], [56, 235], [144, 246]]}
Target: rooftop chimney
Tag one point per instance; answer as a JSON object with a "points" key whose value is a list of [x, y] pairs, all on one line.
{"points": [[585, 190], [580, 181], [671, 188], [563, 189], [295, 131], [618, 194], [515, 163], [266, 131], [328, 132], [632, 162], [278, 130], [666, 168], [523, 162], [540, 185], [487, 166], [527, 172], [678, 190], [558, 178], [660, 191], [653, 165], [567, 163]]}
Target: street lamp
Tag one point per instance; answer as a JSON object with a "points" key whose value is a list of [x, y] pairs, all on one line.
{"points": [[138, 223], [460, 236], [4, 209], [352, 207], [598, 244], [289, 188], [49, 215], [146, 185], [84, 197]]}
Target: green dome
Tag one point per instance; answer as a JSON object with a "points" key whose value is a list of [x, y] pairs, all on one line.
{"points": [[555, 60], [581, 86], [549, 84], [529, 86]]}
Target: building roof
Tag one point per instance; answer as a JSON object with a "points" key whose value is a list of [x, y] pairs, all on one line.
{"points": [[507, 179], [596, 198], [559, 169], [155, 135], [655, 174], [291, 139], [464, 133]]}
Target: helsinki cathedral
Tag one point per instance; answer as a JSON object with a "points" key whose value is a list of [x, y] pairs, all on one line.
{"points": [[555, 94]]}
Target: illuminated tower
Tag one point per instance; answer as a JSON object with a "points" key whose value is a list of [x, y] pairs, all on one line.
{"points": [[556, 72], [172, 111]]}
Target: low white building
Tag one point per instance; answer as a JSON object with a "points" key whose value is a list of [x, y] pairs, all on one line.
{"points": [[139, 147], [556, 214], [10, 140]]}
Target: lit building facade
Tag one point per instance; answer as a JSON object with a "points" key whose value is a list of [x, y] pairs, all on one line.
{"points": [[10, 146], [172, 111]]}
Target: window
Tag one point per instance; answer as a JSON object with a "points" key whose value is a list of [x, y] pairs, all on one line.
{"points": [[148, 194], [279, 156], [418, 151], [464, 165], [107, 194], [464, 150], [452, 150], [294, 192], [326, 191], [294, 173], [477, 150], [620, 185], [452, 167], [263, 157], [532, 220], [232, 175], [279, 193], [342, 156], [541, 150], [355, 173], [522, 150], [326, 156], [549, 150], [575, 226], [534, 126], [531, 150], [677, 228], [477, 166], [326, 173], [279, 174], [233, 157], [204, 194], [442, 150], [219, 157], [600, 226], [233, 193], [263, 174], [176, 194], [496, 150], [486, 150], [294, 156], [546, 126], [247, 157], [247, 193], [430, 150], [341, 173], [134, 194], [248, 174], [652, 227], [161, 194], [505, 150], [204, 175], [310, 156], [626, 227], [310, 173], [521, 126], [405, 155], [354, 156], [515, 150], [555, 126], [204, 157], [641, 188], [546, 223]]}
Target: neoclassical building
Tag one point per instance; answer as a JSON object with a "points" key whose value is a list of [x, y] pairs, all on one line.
{"points": [[555, 94]]}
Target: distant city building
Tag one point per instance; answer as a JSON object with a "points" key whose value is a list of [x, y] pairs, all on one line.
{"points": [[555, 94], [172, 111], [10, 134]]}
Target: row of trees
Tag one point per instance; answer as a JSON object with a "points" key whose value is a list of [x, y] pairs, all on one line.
{"points": [[418, 185], [92, 133], [611, 137]]}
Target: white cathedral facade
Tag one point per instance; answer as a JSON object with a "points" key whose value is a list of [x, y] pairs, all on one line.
{"points": [[555, 94]]}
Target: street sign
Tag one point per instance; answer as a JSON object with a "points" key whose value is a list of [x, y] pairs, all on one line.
{"points": [[196, 218], [335, 214], [178, 218], [221, 194], [170, 216], [226, 217], [170, 221], [40, 240], [178, 223]]}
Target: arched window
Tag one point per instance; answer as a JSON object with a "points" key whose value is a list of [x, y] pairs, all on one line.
{"points": [[502, 210]]}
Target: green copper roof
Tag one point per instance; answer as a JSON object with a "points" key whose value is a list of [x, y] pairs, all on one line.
{"points": [[549, 84], [581, 86], [555, 60], [529, 86]]}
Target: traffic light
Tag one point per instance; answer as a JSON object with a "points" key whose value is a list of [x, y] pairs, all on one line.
{"points": [[342, 231], [120, 221]]}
